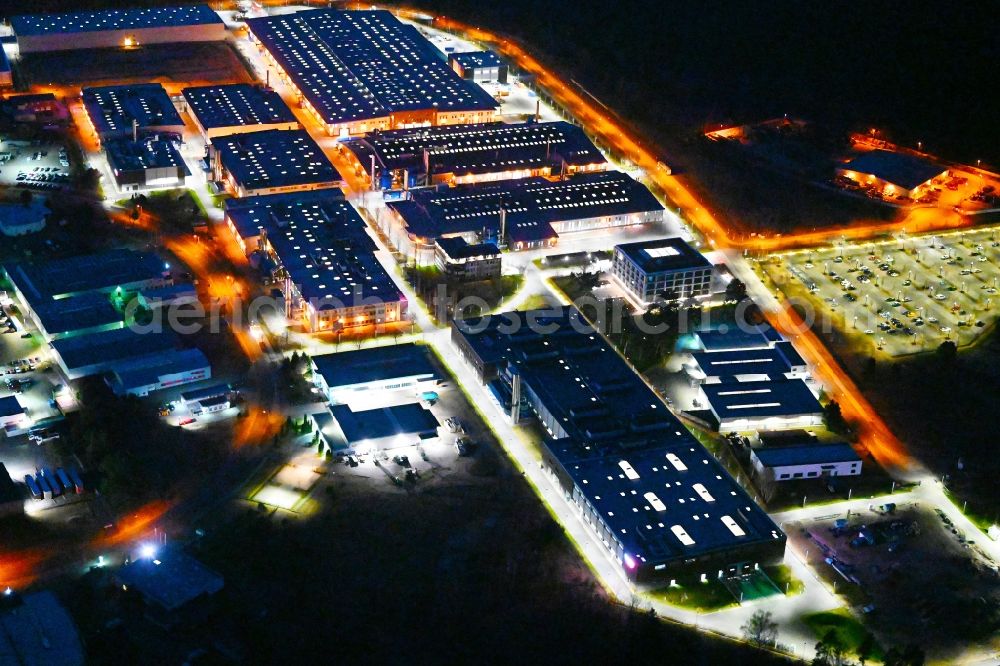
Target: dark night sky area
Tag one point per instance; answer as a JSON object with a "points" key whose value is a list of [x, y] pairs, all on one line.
{"points": [[919, 70]]}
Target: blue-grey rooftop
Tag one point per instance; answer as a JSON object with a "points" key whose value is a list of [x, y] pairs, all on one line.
{"points": [[671, 503], [901, 169], [237, 105], [476, 59], [408, 420], [632, 459], [68, 23], [59, 278], [36, 629], [477, 148], [357, 65], [375, 364], [76, 313], [9, 406], [253, 215], [275, 158], [125, 155], [664, 255], [456, 247], [112, 109], [119, 348], [532, 205], [809, 454], [761, 399], [170, 579], [728, 337], [772, 361], [173, 362]]}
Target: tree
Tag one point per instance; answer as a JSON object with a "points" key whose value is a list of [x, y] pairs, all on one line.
{"points": [[829, 651], [760, 629], [911, 655], [736, 290], [833, 418], [947, 351]]}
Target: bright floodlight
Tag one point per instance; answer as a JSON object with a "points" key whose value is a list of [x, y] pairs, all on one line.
{"points": [[147, 550]]}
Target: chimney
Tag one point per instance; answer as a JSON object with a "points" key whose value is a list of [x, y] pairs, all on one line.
{"points": [[538, 109]]}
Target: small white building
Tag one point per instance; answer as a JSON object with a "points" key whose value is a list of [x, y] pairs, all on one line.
{"points": [[366, 375], [807, 461]]}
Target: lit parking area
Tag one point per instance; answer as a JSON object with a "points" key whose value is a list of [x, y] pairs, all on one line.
{"points": [[899, 296], [38, 166]]}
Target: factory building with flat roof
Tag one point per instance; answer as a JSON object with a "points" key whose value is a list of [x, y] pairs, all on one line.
{"points": [[236, 108], [762, 405], [112, 351], [650, 270], [467, 262], [120, 111], [894, 174], [272, 162], [458, 154], [66, 297], [348, 431], [518, 214], [111, 28], [479, 66], [741, 365], [147, 164], [808, 461], [659, 502], [363, 375], [323, 256], [359, 71], [162, 371]]}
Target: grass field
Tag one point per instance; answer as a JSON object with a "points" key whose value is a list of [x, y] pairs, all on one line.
{"points": [[704, 597], [841, 628]]}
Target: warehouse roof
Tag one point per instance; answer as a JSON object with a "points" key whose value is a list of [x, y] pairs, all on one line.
{"points": [[275, 158], [237, 104], [59, 278], [809, 454], [36, 629], [113, 108], [665, 254], [393, 421], [76, 313], [170, 579], [375, 364], [754, 400], [355, 65], [125, 155], [113, 19], [476, 59], [477, 148], [906, 171], [173, 362], [213, 391], [456, 247], [729, 337], [638, 466], [119, 348], [531, 204], [326, 251], [10, 406], [251, 215], [670, 502], [772, 361]]}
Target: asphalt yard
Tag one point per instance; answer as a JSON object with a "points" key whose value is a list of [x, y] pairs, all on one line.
{"points": [[899, 296]]}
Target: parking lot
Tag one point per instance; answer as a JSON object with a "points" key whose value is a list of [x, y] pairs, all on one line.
{"points": [[903, 295], [37, 166]]}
